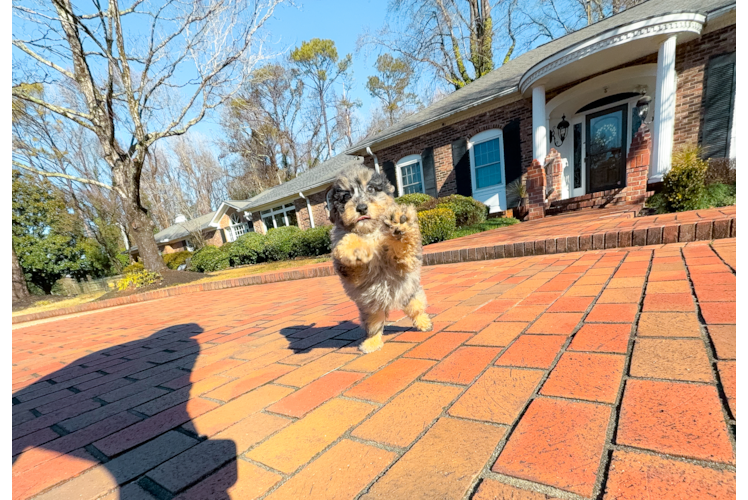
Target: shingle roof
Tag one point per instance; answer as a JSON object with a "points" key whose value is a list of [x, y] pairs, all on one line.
{"points": [[315, 177], [505, 79]]}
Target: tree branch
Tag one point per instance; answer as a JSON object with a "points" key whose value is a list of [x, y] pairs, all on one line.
{"points": [[64, 176]]}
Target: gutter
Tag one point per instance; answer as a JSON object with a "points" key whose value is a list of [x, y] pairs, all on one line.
{"points": [[376, 160], [308, 209]]}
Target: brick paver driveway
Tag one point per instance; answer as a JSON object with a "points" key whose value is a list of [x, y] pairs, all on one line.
{"points": [[604, 374]]}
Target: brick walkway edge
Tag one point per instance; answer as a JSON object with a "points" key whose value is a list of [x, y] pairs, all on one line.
{"points": [[672, 233]]}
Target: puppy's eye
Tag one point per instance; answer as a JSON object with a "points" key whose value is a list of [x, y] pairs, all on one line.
{"points": [[346, 196], [371, 189]]}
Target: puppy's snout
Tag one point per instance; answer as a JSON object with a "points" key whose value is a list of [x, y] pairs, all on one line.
{"points": [[362, 208]]}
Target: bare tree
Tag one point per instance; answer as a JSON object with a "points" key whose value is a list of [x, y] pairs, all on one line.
{"points": [[391, 86], [133, 86], [451, 39]]}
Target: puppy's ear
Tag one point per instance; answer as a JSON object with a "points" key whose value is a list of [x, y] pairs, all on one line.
{"points": [[330, 206], [383, 183]]}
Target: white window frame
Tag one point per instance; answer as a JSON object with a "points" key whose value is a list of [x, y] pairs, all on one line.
{"points": [[404, 162], [188, 245], [272, 212], [485, 136], [237, 227]]}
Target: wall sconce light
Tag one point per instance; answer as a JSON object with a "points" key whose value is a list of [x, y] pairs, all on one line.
{"points": [[562, 127], [643, 106]]}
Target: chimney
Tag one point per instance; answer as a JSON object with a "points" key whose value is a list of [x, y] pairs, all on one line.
{"points": [[180, 218]]}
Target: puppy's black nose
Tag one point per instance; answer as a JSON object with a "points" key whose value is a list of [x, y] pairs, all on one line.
{"points": [[362, 208]]}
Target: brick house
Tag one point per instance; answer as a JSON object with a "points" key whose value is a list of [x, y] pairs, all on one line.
{"points": [[588, 119]]}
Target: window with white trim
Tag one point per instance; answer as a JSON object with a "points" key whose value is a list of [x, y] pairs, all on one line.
{"points": [[237, 228], [410, 175], [284, 215], [188, 245], [486, 159]]}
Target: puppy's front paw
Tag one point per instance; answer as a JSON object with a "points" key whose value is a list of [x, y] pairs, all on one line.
{"points": [[371, 344], [423, 323], [400, 219], [353, 255]]}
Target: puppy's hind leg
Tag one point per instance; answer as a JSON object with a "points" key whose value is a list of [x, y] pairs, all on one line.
{"points": [[374, 325], [416, 310]]}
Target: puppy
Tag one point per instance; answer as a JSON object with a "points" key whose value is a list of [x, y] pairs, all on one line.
{"points": [[376, 251]]}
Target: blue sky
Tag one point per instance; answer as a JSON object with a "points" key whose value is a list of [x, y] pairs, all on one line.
{"points": [[339, 20]]}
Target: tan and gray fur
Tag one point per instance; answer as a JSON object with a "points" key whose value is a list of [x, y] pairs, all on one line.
{"points": [[376, 251]]}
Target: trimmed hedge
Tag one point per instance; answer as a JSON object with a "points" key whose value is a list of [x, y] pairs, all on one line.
{"points": [[467, 210], [135, 267], [314, 242], [437, 224], [176, 259], [281, 243], [413, 199], [210, 258], [248, 248]]}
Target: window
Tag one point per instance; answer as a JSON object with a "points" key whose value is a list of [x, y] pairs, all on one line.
{"points": [[188, 245], [284, 215], [487, 159], [237, 228], [410, 175]]}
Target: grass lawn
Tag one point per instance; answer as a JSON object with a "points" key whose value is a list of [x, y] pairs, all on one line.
{"points": [[265, 267], [46, 305], [484, 226]]}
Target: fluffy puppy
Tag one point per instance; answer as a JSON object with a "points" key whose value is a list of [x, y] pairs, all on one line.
{"points": [[376, 251]]}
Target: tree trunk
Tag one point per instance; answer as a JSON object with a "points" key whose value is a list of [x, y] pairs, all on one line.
{"points": [[324, 119], [20, 290], [141, 228]]}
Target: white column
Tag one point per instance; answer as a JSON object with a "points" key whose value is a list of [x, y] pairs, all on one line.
{"points": [[664, 111], [539, 134]]}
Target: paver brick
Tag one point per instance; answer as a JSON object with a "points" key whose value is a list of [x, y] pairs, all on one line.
{"points": [[494, 490], [674, 359], [423, 473], [724, 339], [498, 334], [293, 446], [662, 416], [438, 346], [522, 314], [327, 478], [728, 377], [375, 360], [669, 302], [668, 325], [571, 304], [499, 395], [612, 313], [602, 338], [390, 380], [591, 377], [303, 375], [556, 323], [559, 443], [638, 476], [240, 479], [532, 351], [311, 396], [462, 366], [255, 379], [719, 313], [404, 418]]}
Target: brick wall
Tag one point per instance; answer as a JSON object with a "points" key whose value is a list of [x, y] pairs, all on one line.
{"points": [[317, 201], [554, 171], [691, 60], [213, 238], [536, 185], [257, 223], [441, 140]]}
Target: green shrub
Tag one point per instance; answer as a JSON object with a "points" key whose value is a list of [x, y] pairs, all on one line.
{"points": [[248, 248], [683, 186], [467, 210], [137, 279], [437, 224], [210, 258], [658, 202], [313, 242], [280, 243], [135, 267], [719, 195], [176, 259], [413, 199]]}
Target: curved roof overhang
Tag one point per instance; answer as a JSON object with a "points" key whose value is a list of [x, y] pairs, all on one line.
{"points": [[610, 49]]}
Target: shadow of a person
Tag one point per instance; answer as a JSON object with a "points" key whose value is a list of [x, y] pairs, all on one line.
{"points": [[119, 414]]}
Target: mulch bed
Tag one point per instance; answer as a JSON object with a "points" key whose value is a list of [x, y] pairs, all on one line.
{"points": [[168, 278]]}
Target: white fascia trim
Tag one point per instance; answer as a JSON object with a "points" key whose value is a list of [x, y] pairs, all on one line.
{"points": [[214, 222], [711, 16], [670, 23], [288, 199]]}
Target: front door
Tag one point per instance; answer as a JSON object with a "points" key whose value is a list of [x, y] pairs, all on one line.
{"points": [[606, 149]]}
